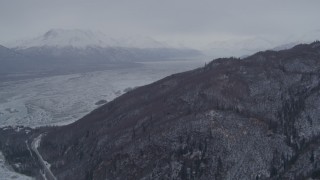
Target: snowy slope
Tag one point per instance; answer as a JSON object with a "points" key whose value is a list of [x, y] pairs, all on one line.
{"points": [[63, 38]]}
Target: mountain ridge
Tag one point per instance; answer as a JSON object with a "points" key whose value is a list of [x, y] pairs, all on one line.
{"points": [[78, 38], [60, 50]]}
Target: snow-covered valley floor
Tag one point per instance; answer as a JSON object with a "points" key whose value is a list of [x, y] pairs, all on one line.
{"points": [[62, 99]]}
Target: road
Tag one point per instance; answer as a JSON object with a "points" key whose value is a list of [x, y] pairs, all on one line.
{"points": [[34, 146]]}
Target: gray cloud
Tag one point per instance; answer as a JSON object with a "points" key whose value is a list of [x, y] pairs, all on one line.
{"points": [[190, 21]]}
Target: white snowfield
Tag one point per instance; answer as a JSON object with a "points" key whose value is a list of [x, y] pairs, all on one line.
{"points": [[63, 99]]}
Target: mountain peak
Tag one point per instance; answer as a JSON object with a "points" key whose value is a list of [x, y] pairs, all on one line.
{"points": [[68, 38], [79, 38], [71, 33]]}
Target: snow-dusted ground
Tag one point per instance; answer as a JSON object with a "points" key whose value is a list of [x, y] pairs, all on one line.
{"points": [[6, 173], [62, 99]]}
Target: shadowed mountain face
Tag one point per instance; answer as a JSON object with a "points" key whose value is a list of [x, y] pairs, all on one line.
{"points": [[47, 59], [255, 118], [11, 61]]}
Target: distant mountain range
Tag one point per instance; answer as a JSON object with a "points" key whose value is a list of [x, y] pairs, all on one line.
{"points": [[77, 38], [247, 46], [70, 49], [59, 48]]}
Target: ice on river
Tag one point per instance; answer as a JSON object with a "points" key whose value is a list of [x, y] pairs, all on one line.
{"points": [[63, 99]]}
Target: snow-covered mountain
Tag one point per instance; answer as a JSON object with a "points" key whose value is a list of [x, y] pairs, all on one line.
{"points": [[79, 49], [63, 38], [78, 38]]}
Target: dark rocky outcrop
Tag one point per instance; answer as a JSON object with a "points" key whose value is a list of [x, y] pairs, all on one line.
{"points": [[254, 118]]}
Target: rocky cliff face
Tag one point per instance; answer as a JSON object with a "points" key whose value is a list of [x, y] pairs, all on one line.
{"points": [[254, 118]]}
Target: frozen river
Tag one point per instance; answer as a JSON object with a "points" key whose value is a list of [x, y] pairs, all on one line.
{"points": [[61, 99]]}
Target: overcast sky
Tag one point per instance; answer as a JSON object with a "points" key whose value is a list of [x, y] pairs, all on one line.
{"points": [[186, 21]]}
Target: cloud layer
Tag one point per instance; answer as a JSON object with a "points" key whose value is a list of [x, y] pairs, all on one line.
{"points": [[187, 22]]}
